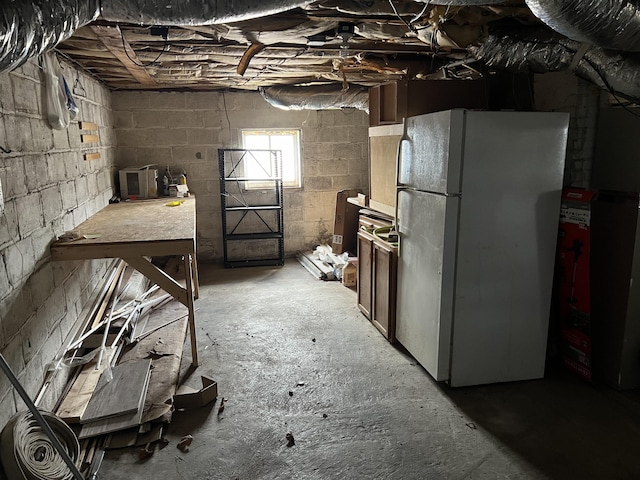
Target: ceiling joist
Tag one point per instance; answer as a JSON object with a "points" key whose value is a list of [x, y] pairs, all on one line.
{"points": [[112, 38]]}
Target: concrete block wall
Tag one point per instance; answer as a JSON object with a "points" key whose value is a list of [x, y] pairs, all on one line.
{"points": [[48, 189], [184, 131], [564, 92]]}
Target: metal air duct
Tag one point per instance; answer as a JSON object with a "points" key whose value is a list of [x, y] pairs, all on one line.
{"points": [[540, 51], [192, 12], [317, 97], [461, 3], [611, 24], [28, 29]]}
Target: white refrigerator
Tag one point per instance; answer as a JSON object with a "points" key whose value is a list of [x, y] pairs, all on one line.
{"points": [[478, 209]]}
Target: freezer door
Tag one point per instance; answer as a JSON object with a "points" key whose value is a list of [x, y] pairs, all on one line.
{"points": [[431, 152], [426, 266]]}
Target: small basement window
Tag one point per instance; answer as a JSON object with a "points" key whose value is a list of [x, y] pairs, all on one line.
{"points": [[287, 141]]}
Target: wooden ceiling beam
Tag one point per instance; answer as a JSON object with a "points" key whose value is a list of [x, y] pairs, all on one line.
{"points": [[112, 38]]}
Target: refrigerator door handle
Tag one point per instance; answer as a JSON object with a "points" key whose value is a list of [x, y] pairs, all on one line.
{"points": [[398, 159]]}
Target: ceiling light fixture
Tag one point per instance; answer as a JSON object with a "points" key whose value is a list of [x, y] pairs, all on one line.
{"points": [[345, 32]]}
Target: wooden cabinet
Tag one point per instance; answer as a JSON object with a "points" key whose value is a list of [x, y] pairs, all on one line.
{"points": [[393, 102], [365, 273], [377, 273], [385, 267]]}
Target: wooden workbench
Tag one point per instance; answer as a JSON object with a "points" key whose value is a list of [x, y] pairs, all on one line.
{"points": [[138, 229]]}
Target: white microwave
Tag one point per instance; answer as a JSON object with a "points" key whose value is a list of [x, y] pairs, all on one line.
{"points": [[139, 182]]}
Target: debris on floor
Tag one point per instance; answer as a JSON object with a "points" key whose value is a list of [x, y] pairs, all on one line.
{"points": [[221, 407], [322, 263], [185, 443], [187, 398], [290, 440], [125, 355], [147, 452]]}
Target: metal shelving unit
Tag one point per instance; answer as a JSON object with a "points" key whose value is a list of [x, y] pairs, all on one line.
{"points": [[251, 194]]}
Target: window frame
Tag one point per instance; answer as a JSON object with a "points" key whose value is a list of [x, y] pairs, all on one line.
{"points": [[296, 133]]}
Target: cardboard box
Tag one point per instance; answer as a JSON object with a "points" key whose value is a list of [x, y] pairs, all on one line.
{"points": [[187, 398], [573, 280], [345, 226]]}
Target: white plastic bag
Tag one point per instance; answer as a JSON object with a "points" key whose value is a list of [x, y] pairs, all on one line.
{"points": [[57, 112]]}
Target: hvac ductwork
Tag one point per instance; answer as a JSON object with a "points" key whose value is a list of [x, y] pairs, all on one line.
{"points": [[29, 28], [192, 12], [461, 3], [317, 97], [613, 24], [542, 51]]}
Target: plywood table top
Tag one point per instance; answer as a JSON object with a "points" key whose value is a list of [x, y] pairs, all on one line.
{"points": [[140, 227]]}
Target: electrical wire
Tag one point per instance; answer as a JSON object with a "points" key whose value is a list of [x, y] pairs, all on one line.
{"points": [[124, 47], [595, 68], [226, 112], [422, 12], [79, 66], [610, 88], [409, 26]]}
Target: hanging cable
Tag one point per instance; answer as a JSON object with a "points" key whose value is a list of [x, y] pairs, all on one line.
{"points": [[605, 82], [395, 10], [422, 12], [124, 47]]}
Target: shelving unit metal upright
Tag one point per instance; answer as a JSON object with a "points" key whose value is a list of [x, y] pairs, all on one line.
{"points": [[251, 206]]}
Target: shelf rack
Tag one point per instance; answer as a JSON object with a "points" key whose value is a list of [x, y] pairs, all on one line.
{"points": [[251, 201]]}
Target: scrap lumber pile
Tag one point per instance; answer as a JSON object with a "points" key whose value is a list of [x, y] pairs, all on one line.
{"points": [[126, 358], [322, 263]]}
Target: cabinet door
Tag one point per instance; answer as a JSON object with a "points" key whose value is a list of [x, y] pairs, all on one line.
{"points": [[384, 296], [365, 271]]}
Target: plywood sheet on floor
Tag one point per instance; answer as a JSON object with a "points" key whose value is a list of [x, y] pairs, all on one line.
{"points": [[121, 422], [164, 347], [119, 395], [75, 402]]}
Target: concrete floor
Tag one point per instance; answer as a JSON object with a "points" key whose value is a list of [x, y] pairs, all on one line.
{"points": [[361, 408]]}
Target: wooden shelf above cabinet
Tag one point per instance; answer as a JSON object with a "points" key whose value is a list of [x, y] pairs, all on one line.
{"points": [[392, 102]]}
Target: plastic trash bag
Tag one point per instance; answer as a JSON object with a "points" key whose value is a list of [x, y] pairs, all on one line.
{"points": [[325, 255], [58, 114]]}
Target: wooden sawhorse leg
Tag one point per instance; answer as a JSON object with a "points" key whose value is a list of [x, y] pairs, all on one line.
{"points": [[173, 288]]}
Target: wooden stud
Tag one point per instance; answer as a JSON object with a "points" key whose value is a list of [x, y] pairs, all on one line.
{"points": [[112, 38]]}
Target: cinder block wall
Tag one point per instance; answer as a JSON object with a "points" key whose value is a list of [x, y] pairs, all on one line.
{"points": [[184, 130], [564, 92], [48, 189]]}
